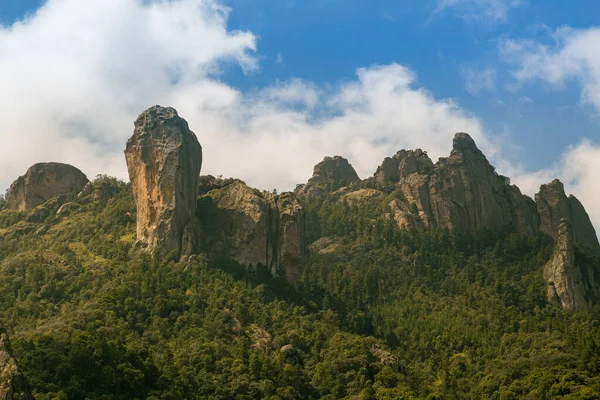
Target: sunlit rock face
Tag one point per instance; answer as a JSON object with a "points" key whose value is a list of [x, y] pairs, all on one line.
{"points": [[164, 159], [553, 206], [569, 284]]}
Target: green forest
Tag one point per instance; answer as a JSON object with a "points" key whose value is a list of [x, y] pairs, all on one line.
{"points": [[381, 313]]}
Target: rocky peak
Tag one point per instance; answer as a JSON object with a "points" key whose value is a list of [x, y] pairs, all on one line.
{"points": [[331, 173], [565, 279], [13, 384], [42, 182], [164, 159], [402, 164], [553, 206]]}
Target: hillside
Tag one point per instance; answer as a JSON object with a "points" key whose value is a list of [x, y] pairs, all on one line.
{"points": [[426, 281]]}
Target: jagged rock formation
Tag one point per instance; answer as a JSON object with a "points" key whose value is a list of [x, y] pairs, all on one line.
{"points": [[462, 192], [44, 181], [252, 227], [568, 283], [164, 159], [13, 385], [553, 206], [329, 174]]}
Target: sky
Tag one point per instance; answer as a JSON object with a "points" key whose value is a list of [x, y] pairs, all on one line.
{"points": [[271, 87]]}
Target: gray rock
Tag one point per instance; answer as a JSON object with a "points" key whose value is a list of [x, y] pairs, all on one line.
{"points": [[43, 182]]}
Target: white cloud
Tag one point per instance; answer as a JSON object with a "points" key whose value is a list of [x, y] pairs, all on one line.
{"points": [[76, 75], [578, 168], [494, 11], [479, 81], [575, 55]]}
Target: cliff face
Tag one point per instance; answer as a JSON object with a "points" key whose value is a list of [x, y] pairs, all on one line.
{"points": [[461, 192], [42, 182], [553, 206], [252, 227], [568, 283], [13, 385], [164, 160], [330, 174]]}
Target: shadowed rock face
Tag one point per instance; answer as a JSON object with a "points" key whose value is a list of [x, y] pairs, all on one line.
{"points": [[461, 192], [568, 283], [553, 206], [164, 160], [252, 227], [13, 385], [43, 182], [330, 174]]}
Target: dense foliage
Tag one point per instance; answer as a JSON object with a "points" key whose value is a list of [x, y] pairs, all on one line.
{"points": [[381, 313]]}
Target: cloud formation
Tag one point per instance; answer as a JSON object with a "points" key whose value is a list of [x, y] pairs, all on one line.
{"points": [[495, 11], [479, 81], [574, 56], [76, 75]]}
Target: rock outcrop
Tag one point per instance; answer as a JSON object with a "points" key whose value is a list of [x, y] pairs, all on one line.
{"points": [[13, 385], [553, 206], [330, 174], [568, 283], [42, 182], [164, 159], [462, 192], [252, 227]]}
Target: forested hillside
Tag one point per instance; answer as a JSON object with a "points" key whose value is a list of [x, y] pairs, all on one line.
{"points": [[380, 312]]}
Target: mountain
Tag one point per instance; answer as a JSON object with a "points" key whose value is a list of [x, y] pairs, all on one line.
{"points": [[425, 281]]}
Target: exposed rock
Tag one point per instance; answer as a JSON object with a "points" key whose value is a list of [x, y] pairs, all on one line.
{"points": [[325, 245], [254, 228], [164, 160], [360, 196], [553, 205], [328, 175], [402, 164], [462, 192], [67, 209], [13, 385], [261, 338], [42, 182], [565, 279]]}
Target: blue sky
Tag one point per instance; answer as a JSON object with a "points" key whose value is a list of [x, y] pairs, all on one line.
{"points": [[325, 41], [520, 75]]}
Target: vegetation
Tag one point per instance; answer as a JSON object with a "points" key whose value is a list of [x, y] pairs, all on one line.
{"points": [[381, 313]]}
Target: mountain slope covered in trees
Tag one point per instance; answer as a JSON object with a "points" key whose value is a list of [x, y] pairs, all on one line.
{"points": [[380, 312]]}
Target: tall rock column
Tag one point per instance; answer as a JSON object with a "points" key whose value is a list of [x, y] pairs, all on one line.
{"points": [[164, 159], [564, 277]]}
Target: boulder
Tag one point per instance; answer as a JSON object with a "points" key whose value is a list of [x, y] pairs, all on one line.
{"points": [[164, 159], [42, 182]]}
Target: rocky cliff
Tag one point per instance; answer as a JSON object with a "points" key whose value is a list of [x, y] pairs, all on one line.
{"points": [[164, 159], [569, 284], [330, 174], [462, 192], [253, 227], [13, 385], [553, 206], [42, 182]]}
